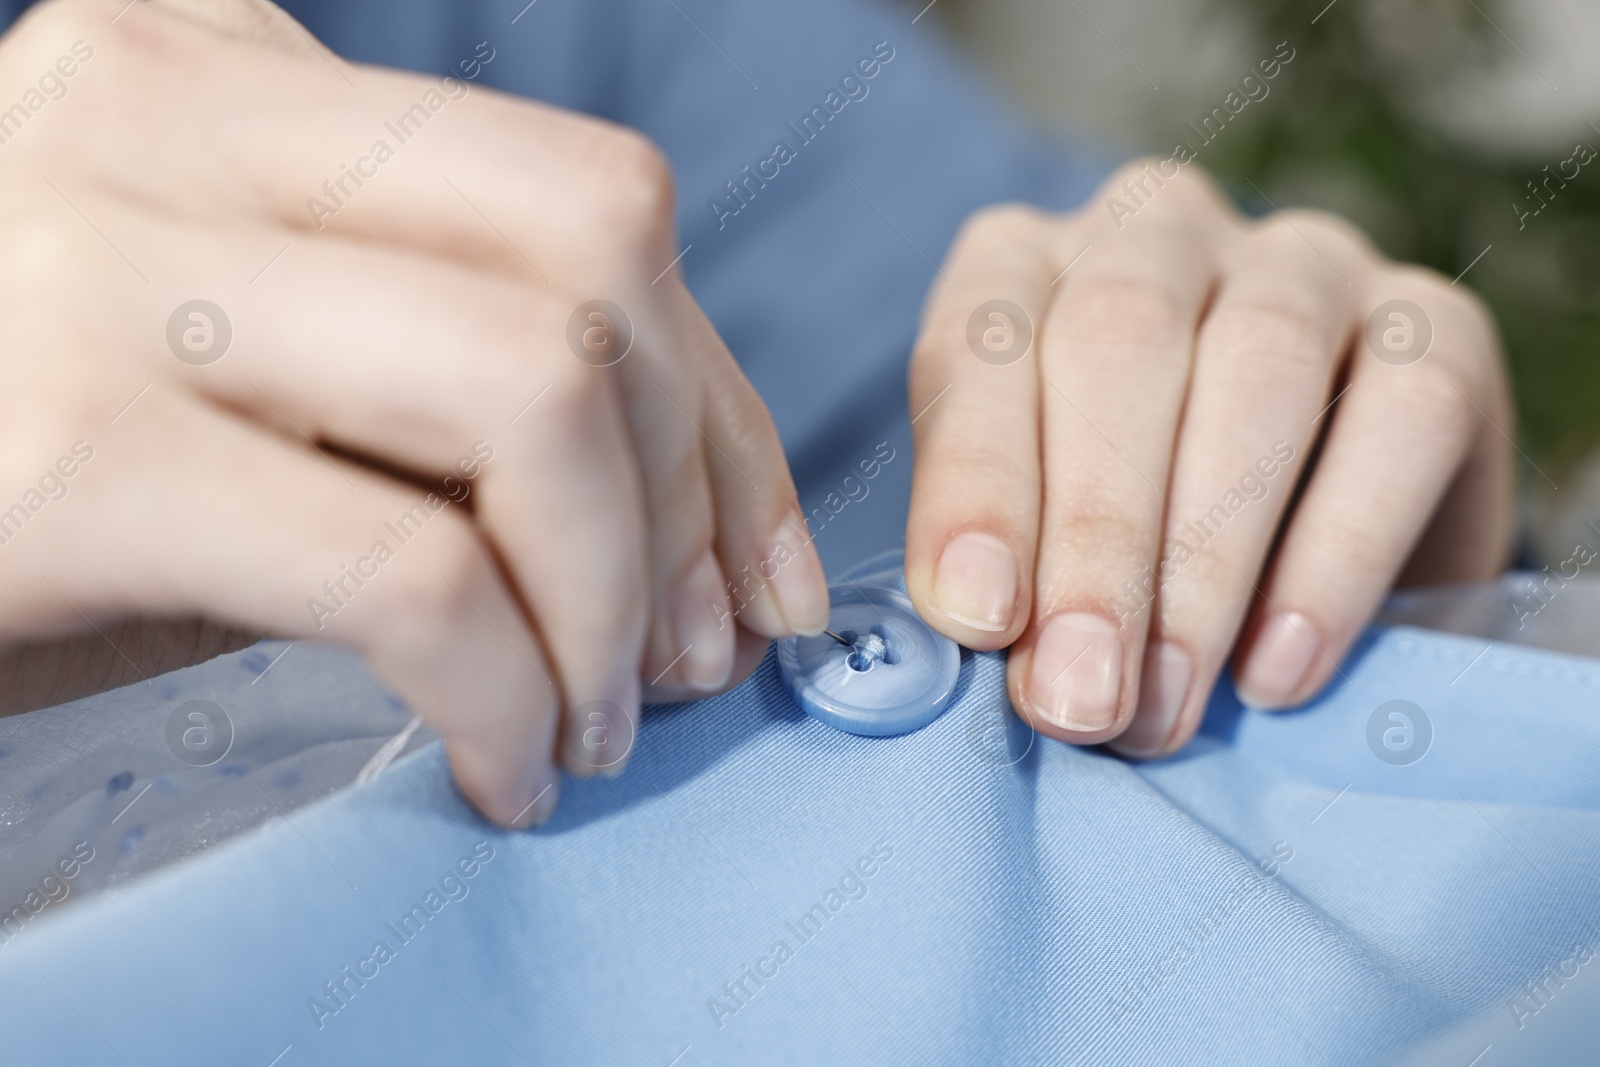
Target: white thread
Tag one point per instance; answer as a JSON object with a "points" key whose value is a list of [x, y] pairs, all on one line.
{"points": [[387, 752]]}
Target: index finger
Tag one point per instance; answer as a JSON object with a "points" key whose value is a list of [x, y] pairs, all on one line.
{"points": [[318, 145]]}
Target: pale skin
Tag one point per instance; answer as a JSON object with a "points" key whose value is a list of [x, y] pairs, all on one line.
{"points": [[589, 561], [1190, 349]]}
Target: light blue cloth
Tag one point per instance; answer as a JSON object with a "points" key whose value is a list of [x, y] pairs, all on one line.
{"points": [[1276, 895]]}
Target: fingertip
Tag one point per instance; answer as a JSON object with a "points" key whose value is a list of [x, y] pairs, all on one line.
{"points": [[975, 581], [538, 810], [1278, 663], [974, 593], [785, 592], [1076, 698], [509, 796], [750, 648], [703, 628], [1166, 678], [599, 735], [800, 586], [1075, 680]]}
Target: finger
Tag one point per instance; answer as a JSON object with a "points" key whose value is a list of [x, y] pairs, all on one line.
{"points": [[358, 364], [614, 188], [776, 583], [1472, 533], [248, 20], [516, 408], [453, 169], [573, 537], [1272, 341], [1115, 347], [558, 491], [1398, 440], [973, 526], [262, 535], [750, 648], [689, 646]]}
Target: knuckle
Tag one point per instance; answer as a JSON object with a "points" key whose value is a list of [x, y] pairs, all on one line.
{"points": [[699, 538], [1463, 321], [121, 50], [510, 369], [1137, 168], [1197, 184], [1280, 334], [519, 350], [1000, 226], [1101, 527], [50, 20], [980, 470], [1436, 396], [1476, 313], [637, 179], [678, 500], [1333, 235], [40, 259], [578, 393], [1435, 292], [1184, 186], [1122, 311]]}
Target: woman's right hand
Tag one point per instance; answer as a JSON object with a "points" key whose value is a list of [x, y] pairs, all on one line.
{"points": [[397, 347]]}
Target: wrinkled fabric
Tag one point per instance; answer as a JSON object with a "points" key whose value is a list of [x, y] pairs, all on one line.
{"points": [[761, 888]]}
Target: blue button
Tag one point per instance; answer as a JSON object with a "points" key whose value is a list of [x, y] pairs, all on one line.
{"points": [[895, 675]]}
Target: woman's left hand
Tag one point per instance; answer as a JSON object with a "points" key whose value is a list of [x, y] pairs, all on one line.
{"points": [[1148, 439]]}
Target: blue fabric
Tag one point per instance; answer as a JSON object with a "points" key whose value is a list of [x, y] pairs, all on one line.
{"points": [[1275, 895]]}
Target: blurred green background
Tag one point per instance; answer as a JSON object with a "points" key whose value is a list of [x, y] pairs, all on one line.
{"points": [[1431, 199], [1423, 120]]}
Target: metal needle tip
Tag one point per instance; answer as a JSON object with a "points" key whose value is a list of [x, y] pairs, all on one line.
{"points": [[837, 638]]}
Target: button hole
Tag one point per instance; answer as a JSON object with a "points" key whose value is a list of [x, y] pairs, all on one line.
{"points": [[890, 656]]}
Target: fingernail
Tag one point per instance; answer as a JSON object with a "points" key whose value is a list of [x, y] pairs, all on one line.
{"points": [[1077, 669], [1163, 688], [542, 804], [600, 735], [798, 585], [975, 582], [704, 639], [515, 797], [1277, 664]]}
